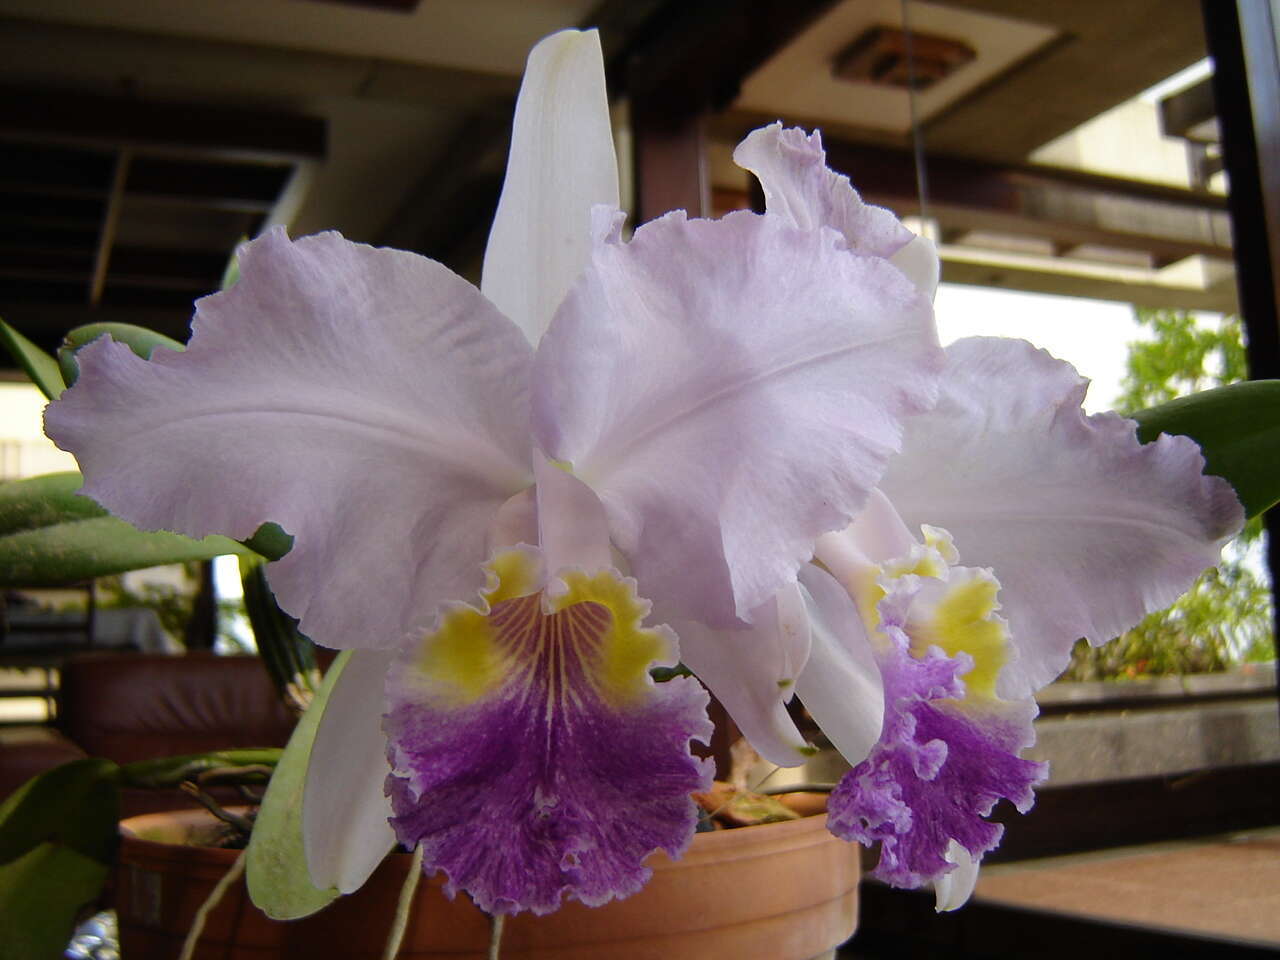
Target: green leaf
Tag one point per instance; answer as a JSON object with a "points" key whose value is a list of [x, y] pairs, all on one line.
{"points": [[44, 500], [75, 805], [276, 866], [1238, 429], [50, 535], [58, 835], [288, 655], [231, 273], [42, 893], [270, 541], [139, 339], [39, 366]]}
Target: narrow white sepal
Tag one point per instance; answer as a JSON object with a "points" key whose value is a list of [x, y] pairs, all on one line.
{"points": [[562, 163], [955, 888], [345, 810]]}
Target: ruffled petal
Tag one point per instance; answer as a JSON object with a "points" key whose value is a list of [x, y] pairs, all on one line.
{"points": [[561, 164], [731, 390], [840, 686], [369, 401], [345, 811], [533, 756], [792, 168], [753, 670], [919, 262], [949, 747], [1087, 529]]}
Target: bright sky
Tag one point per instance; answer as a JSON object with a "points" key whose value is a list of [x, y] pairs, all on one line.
{"points": [[1091, 335]]}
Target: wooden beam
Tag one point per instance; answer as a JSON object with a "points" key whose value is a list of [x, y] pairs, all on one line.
{"points": [[1066, 207], [1005, 276], [56, 170], [693, 58], [1183, 112], [246, 187], [114, 122], [1106, 52]]}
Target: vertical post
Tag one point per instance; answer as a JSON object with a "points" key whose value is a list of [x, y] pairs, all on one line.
{"points": [[670, 164], [202, 628], [1242, 40]]}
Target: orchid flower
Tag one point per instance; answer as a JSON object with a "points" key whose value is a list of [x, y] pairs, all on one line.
{"points": [[921, 671], [492, 491]]}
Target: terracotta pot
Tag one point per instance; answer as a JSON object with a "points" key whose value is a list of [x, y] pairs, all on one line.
{"points": [[782, 891]]}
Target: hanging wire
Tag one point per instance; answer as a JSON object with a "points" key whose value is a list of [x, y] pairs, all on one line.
{"points": [[917, 131]]}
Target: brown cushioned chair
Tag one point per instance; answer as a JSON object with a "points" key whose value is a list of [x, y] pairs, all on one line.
{"points": [[130, 707]]}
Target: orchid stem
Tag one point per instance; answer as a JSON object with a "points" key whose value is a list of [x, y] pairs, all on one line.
{"points": [[211, 901], [797, 788], [405, 907], [495, 937]]}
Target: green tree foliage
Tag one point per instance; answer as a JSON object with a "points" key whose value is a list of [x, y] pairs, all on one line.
{"points": [[1226, 615]]}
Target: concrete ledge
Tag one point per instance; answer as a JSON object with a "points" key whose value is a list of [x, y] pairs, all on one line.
{"points": [[1250, 679], [1087, 748]]}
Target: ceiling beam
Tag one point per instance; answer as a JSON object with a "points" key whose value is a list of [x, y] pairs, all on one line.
{"points": [[98, 58], [693, 58], [1107, 52], [1065, 207], [1217, 298], [112, 123]]}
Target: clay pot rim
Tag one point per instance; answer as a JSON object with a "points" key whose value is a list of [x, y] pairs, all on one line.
{"points": [[704, 848]]}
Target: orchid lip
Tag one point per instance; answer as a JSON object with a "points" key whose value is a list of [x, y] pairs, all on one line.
{"points": [[519, 723]]}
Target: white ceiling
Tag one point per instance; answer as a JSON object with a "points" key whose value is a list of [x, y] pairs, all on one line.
{"points": [[798, 81], [483, 35]]}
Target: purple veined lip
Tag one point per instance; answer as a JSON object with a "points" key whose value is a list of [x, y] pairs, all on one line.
{"points": [[549, 764], [943, 761]]}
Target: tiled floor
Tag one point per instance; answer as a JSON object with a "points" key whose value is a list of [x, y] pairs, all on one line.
{"points": [[1227, 886]]}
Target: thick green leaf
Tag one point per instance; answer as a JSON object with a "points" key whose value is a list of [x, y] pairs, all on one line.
{"points": [[1238, 429], [288, 655], [270, 541], [276, 866], [39, 366], [75, 805], [139, 339], [41, 894], [50, 535], [38, 502]]}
